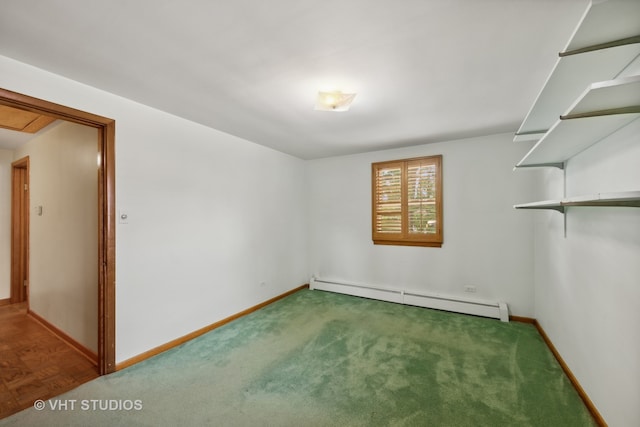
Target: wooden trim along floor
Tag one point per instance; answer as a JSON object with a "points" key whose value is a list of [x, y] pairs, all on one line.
{"points": [[90, 355], [5, 301], [522, 319], [34, 363], [583, 395], [174, 343]]}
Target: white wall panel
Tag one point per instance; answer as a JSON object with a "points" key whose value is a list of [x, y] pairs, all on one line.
{"points": [[63, 240], [588, 283], [211, 216], [487, 243]]}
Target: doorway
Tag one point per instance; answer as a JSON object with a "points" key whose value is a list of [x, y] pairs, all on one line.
{"points": [[106, 213], [19, 230]]}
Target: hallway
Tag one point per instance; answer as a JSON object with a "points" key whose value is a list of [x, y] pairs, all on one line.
{"points": [[34, 363]]}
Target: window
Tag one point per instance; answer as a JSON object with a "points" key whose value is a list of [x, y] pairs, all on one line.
{"points": [[407, 202]]}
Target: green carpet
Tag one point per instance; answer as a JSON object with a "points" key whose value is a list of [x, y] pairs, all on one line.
{"points": [[323, 359]]}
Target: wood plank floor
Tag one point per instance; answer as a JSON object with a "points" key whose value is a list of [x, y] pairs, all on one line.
{"points": [[34, 363]]}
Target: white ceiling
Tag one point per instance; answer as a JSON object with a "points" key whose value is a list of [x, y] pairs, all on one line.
{"points": [[11, 139], [424, 70]]}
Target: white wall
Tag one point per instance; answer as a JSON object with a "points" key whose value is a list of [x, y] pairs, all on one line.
{"points": [[6, 157], [199, 242], [487, 243], [588, 284], [211, 216], [63, 241]]}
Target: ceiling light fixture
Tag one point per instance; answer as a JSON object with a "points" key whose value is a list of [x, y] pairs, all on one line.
{"points": [[334, 101]]}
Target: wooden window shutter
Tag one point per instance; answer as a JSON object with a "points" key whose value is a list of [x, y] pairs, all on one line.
{"points": [[407, 202]]}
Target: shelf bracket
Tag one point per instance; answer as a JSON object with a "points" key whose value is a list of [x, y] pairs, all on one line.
{"points": [[610, 112], [553, 208], [600, 46], [558, 209], [529, 136], [559, 165]]}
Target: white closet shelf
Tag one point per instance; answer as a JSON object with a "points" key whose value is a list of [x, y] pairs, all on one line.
{"points": [[608, 95], [597, 51], [620, 199], [596, 27], [601, 110]]}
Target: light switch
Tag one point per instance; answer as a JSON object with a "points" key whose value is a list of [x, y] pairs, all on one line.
{"points": [[123, 216]]}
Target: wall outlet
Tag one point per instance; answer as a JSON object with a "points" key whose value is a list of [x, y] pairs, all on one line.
{"points": [[470, 288]]}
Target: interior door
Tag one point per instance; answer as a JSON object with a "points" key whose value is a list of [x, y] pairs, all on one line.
{"points": [[20, 231]]}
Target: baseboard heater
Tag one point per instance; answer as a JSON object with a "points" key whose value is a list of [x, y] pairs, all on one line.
{"points": [[498, 310]]}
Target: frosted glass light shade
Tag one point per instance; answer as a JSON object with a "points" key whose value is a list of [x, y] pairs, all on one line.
{"points": [[334, 101]]}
